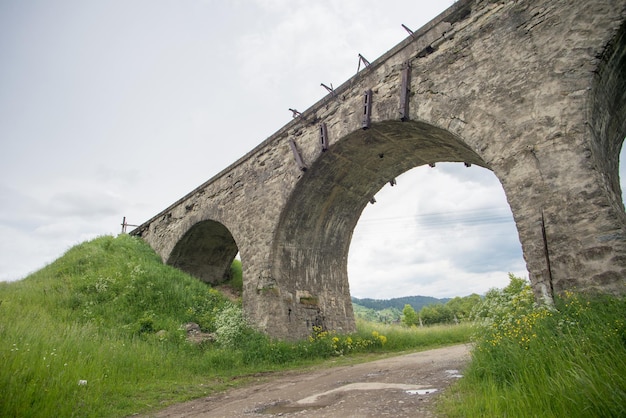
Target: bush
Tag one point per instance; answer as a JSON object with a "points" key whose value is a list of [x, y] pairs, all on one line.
{"points": [[409, 316], [530, 360], [230, 326]]}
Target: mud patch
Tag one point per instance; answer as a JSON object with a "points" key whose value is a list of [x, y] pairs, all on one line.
{"points": [[360, 386], [280, 408]]}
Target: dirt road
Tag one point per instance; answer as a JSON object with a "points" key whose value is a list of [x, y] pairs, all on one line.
{"points": [[402, 386]]}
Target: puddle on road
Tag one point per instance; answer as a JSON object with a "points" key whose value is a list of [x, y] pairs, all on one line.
{"points": [[421, 391], [312, 402], [284, 408], [454, 373]]}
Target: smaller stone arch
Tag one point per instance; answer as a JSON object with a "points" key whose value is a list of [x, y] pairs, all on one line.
{"points": [[206, 251]]}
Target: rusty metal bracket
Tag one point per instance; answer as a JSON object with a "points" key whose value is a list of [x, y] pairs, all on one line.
{"points": [[405, 92], [295, 113], [408, 30], [324, 136], [330, 89], [297, 156], [367, 109], [362, 60]]}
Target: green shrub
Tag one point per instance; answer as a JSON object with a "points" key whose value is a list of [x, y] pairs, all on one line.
{"points": [[236, 275], [529, 360], [409, 316], [230, 326]]}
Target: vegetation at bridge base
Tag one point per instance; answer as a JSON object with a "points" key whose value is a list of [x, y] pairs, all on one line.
{"points": [[565, 361], [99, 333]]}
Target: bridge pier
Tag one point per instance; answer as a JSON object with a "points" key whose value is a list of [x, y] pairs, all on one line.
{"points": [[571, 228]]}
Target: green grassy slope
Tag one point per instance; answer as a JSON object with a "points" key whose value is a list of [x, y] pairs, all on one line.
{"points": [[98, 333], [108, 312]]}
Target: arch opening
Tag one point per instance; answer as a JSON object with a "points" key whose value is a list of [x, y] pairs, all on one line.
{"points": [[206, 251], [310, 252], [443, 232]]}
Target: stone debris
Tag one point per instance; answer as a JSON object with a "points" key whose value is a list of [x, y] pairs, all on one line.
{"points": [[195, 334]]}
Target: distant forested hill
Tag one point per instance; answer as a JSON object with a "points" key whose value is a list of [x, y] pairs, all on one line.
{"points": [[417, 302]]}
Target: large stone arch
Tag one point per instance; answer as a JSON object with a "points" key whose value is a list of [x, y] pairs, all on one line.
{"points": [[310, 250], [206, 251]]}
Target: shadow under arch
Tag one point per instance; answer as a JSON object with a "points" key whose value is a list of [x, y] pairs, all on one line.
{"points": [[607, 116], [206, 251], [312, 241]]}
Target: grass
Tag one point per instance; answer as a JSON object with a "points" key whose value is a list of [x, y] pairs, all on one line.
{"points": [[401, 338], [95, 315], [567, 361], [98, 333]]}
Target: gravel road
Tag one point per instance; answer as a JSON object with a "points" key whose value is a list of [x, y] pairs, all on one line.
{"points": [[401, 386]]}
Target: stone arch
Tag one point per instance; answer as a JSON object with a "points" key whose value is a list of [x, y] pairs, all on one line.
{"points": [[205, 251], [607, 114], [312, 241]]}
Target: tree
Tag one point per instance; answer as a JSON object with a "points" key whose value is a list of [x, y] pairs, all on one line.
{"points": [[436, 314], [511, 302], [461, 307], [409, 316]]}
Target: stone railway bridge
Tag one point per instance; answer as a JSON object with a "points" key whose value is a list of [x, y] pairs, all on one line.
{"points": [[532, 90]]}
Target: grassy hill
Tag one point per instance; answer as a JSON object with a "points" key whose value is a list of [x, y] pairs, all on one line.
{"points": [[99, 333], [106, 313]]}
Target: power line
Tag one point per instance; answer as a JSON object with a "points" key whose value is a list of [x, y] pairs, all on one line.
{"points": [[469, 216]]}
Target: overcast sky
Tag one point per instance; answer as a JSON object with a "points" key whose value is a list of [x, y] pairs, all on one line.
{"points": [[119, 108]]}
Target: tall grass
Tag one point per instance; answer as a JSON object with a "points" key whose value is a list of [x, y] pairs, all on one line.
{"points": [[569, 361], [108, 313], [400, 337], [98, 333]]}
